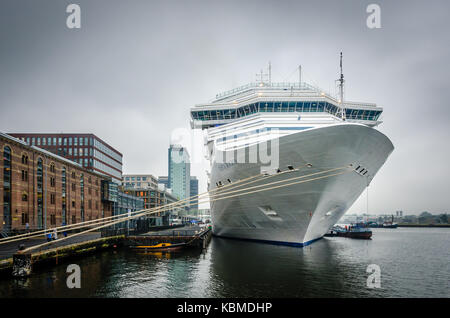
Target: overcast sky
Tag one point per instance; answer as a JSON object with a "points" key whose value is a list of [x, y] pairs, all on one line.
{"points": [[134, 68]]}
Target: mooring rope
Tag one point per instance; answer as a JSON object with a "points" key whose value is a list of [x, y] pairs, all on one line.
{"points": [[213, 200], [79, 225], [120, 216]]}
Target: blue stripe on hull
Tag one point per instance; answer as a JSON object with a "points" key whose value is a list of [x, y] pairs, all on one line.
{"points": [[293, 244]]}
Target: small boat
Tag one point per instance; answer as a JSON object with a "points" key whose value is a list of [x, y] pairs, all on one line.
{"points": [[160, 247], [357, 231]]}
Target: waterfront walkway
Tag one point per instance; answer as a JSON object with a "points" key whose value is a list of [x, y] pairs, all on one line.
{"points": [[7, 250]]}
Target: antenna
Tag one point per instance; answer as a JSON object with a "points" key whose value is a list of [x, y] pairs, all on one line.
{"points": [[263, 77], [341, 91], [299, 76]]}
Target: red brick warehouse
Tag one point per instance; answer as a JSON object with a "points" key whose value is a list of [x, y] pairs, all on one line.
{"points": [[43, 189]]}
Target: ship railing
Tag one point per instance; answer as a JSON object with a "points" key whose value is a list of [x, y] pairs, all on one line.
{"points": [[286, 85]]}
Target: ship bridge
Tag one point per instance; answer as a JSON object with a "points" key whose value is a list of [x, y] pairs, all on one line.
{"points": [[283, 97]]}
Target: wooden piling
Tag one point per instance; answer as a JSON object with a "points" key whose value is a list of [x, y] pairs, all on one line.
{"points": [[21, 265]]}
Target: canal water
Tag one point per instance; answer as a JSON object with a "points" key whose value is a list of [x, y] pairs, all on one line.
{"points": [[414, 262]]}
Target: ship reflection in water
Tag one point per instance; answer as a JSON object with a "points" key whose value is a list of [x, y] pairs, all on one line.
{"points": [[413, 263]]}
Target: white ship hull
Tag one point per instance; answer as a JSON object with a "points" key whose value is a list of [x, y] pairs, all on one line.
{"points": [[301, 213]]}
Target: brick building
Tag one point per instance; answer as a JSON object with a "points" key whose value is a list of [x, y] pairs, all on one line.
{"points": [[43, 189], [86, 149]]}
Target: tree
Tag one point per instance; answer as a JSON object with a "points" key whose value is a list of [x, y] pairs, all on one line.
{"points": [[425, 214]]}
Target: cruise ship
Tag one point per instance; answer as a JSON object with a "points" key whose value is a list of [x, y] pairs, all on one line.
{"points": [[287, 160]]}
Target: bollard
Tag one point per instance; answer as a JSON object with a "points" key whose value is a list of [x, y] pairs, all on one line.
{"points": [[21, 264]]}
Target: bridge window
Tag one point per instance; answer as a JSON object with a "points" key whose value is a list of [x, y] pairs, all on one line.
{"points": [[313, 106]]}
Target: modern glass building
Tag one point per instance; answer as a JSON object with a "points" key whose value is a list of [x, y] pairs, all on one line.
{"points": [[86, 149], [179, 172], [194, 191], [117, 202]]}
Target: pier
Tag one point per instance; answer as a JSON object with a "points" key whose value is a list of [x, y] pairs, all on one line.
{"points": [[20, 264]]}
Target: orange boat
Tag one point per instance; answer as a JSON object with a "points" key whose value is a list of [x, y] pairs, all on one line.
{"points": [[160, 247]]}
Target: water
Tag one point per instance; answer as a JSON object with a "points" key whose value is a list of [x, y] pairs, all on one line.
{"points": [[413, 262]]}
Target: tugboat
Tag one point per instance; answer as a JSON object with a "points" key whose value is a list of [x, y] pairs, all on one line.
{"points": [[357, 231]]}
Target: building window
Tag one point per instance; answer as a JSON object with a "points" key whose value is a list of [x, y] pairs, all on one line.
{"points": [[24, 218], [7, 188], [73, 174], [73, 204], [82, 196], [74, 219], [52, 168], [52, 198], [73, 187], [24, 175], [52, 182], [90, 204], [52, 219], [40, 201], [63, 196]]}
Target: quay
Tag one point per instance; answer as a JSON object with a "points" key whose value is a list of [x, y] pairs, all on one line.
{"points": [[13, 262], [188, 236]]}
